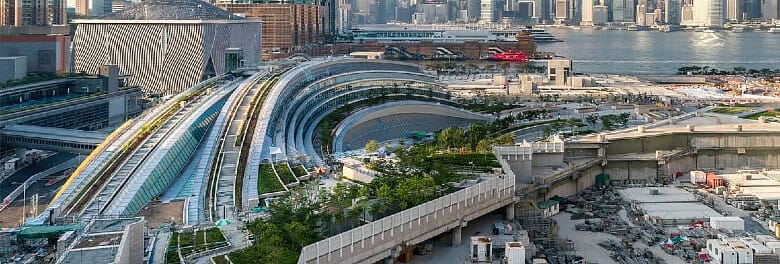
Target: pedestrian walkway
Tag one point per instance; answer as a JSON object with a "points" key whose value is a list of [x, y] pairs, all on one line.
{"points": [[160, 246], [234, 234]]}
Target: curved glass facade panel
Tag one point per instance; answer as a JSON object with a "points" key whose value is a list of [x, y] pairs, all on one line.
{"points": [[172, 162]]}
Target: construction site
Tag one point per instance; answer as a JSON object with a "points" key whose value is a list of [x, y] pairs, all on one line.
{"points": [[690, 189]]}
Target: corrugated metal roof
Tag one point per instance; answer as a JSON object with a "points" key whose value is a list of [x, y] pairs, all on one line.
{"points": [[173, 10]]}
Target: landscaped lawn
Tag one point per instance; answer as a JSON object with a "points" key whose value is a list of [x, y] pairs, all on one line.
{"points": [[200, 240], [267, 181], [171, 255], [299, 171], [769, 113], [284, 172], [733, 110]]}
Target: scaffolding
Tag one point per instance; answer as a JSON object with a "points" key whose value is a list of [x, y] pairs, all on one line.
{"points": [[542, 230]]}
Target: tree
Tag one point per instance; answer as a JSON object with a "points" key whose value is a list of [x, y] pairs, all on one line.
{"points": [[547, 131], [592, 120], [475, 133], [371, 146], [608, 121], [415, 190], [523, 67], [624, 119], [504, 66]]}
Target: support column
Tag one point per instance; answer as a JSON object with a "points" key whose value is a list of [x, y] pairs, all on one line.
{"points": [[456, 236], [21, 153], [510, 212]]}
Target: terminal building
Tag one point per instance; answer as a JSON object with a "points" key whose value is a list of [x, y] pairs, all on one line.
{"points": [[176, 44]]}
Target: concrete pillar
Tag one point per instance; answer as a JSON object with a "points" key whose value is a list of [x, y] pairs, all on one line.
{"points": [[21, 154], [641, 129], [738, 127], [117, 110], [762, 119], [510, 212], [456, 236], [690, 128]]}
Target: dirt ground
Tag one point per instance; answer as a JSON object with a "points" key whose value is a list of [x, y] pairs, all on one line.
{"points": [[157, 213], [11, 215]]}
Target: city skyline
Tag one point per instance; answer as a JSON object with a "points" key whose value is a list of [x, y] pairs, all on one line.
{"points": [[390, 131]]}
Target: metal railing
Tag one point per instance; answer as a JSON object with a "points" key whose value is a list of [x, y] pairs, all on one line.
{"points": [[376, 240]]}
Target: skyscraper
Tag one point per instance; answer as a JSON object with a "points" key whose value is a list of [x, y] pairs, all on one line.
{"points": [[98, 8], [587, 13], [734, 10], [561, 11], [82, 7], [474, 9], [487, 14], [343, 16], [715, 13], [770, 9], [434, 12], [32, 12], [702, 13], [287, 26], [672, 10]]}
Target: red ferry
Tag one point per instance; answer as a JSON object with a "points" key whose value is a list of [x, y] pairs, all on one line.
{"points": [[515, 56]]}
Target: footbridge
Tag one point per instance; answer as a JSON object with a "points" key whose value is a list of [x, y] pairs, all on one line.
{"points": [[86, 111], [50, 138], [386, 238]]}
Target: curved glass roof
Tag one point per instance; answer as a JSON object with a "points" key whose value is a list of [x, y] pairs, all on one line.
{"points": [[173, 10]]}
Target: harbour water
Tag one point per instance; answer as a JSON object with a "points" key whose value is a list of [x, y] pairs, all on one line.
{"points": [[652, 52]]}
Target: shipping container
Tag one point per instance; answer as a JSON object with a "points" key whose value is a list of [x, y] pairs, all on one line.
{"points": [[515, 253], [714, 180], [481, 249], [755, 246], [777, 230], [764, 239], [698, 177], [730, 223], [12, 164], [774, 245]]}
